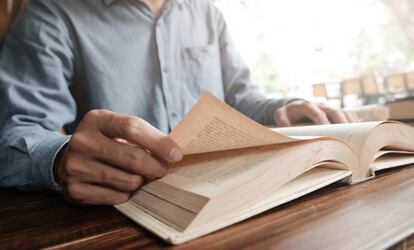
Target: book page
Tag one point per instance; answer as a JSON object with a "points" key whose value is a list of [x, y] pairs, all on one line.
{"points": [[373, 112], [212, 125], [354, 134], [217, 168], [211, 174], [393, 160], [368, 140], [231, 163]]}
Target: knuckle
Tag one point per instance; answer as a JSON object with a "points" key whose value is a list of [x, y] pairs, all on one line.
{"points": [[135, 159], [280, 115], [71, 147], [93, 114], [279, 112], [80, 142], [281, 121], [131, 124], [295, 103], [143, 164], [71, 144], [322, 106], [335, 111], [105, 177], [75, 141], [308, 105], [134, 182], [320, 113], [73, 190], [329, 111], [68, 180], [71, 166], [316, 110], [99, 112], [343, 113]]}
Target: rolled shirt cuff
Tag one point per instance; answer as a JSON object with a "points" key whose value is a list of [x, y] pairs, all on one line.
{"points": [[44, 158]]}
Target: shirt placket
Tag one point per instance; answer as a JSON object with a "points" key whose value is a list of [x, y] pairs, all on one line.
{"points": [[162, 40]]}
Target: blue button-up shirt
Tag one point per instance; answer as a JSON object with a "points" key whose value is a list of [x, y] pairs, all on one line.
{"points": [[63, 58]]}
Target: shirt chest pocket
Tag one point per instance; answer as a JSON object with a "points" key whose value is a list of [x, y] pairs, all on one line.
{"points": [[203, 68]]}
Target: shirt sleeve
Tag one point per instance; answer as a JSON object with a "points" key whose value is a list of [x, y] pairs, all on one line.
{"points": [[239, 90], [36, 67]]}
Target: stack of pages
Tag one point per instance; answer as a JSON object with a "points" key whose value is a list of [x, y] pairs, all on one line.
{"points": [[235, 168]]}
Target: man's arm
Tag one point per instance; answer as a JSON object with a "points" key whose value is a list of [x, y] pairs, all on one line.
{"points": [[242, 94], [36, 64], [107, 157]]}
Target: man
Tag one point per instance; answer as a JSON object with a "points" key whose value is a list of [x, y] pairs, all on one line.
{"points": [[117, 75]]}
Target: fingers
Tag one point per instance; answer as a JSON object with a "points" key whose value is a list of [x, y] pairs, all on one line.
{"points": [[300, 111], [84, 193], [314, 113], [137, 131], [130, 158], [335, 115], [281, 117], [97, 173], [352, 117], [109, 155], [339, 116]]}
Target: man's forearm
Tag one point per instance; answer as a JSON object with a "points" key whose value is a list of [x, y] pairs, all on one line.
{"points": [[26, 157]]}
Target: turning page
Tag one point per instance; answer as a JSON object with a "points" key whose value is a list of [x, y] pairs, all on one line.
{"points": [[233, 168], [212, 126]]}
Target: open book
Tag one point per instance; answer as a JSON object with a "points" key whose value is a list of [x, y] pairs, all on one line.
{"points": [[234, 168]]}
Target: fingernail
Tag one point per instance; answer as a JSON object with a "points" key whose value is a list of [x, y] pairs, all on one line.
{"points": [[176, 155]]}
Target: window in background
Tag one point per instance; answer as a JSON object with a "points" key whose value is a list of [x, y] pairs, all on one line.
{"points": [[290, 45]]}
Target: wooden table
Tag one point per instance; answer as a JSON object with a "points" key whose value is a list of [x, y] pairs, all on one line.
{"points": [[373, 215]]}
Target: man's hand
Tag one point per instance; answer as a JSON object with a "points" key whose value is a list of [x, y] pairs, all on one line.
{"points": [[109, 156], [301, 111]]}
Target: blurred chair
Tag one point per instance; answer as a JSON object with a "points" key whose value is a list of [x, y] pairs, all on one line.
{"points": [[349, 87], [370, 86], [372, 90], [320, 93], [395, 84], [319, 90]]}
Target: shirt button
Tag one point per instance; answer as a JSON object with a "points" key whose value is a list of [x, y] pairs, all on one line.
{"points": [[173, 115], [165, 70]]}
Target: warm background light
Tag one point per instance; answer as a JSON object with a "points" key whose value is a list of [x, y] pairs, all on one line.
{"points": [[293, 44]]}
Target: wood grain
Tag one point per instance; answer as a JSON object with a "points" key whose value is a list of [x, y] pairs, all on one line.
{"points": [[377, 214]]}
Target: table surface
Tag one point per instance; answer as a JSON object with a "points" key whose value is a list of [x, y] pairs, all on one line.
{"points": [[375, 214]]}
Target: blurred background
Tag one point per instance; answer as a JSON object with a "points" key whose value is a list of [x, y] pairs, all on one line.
{"points": [[345, 53]]}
